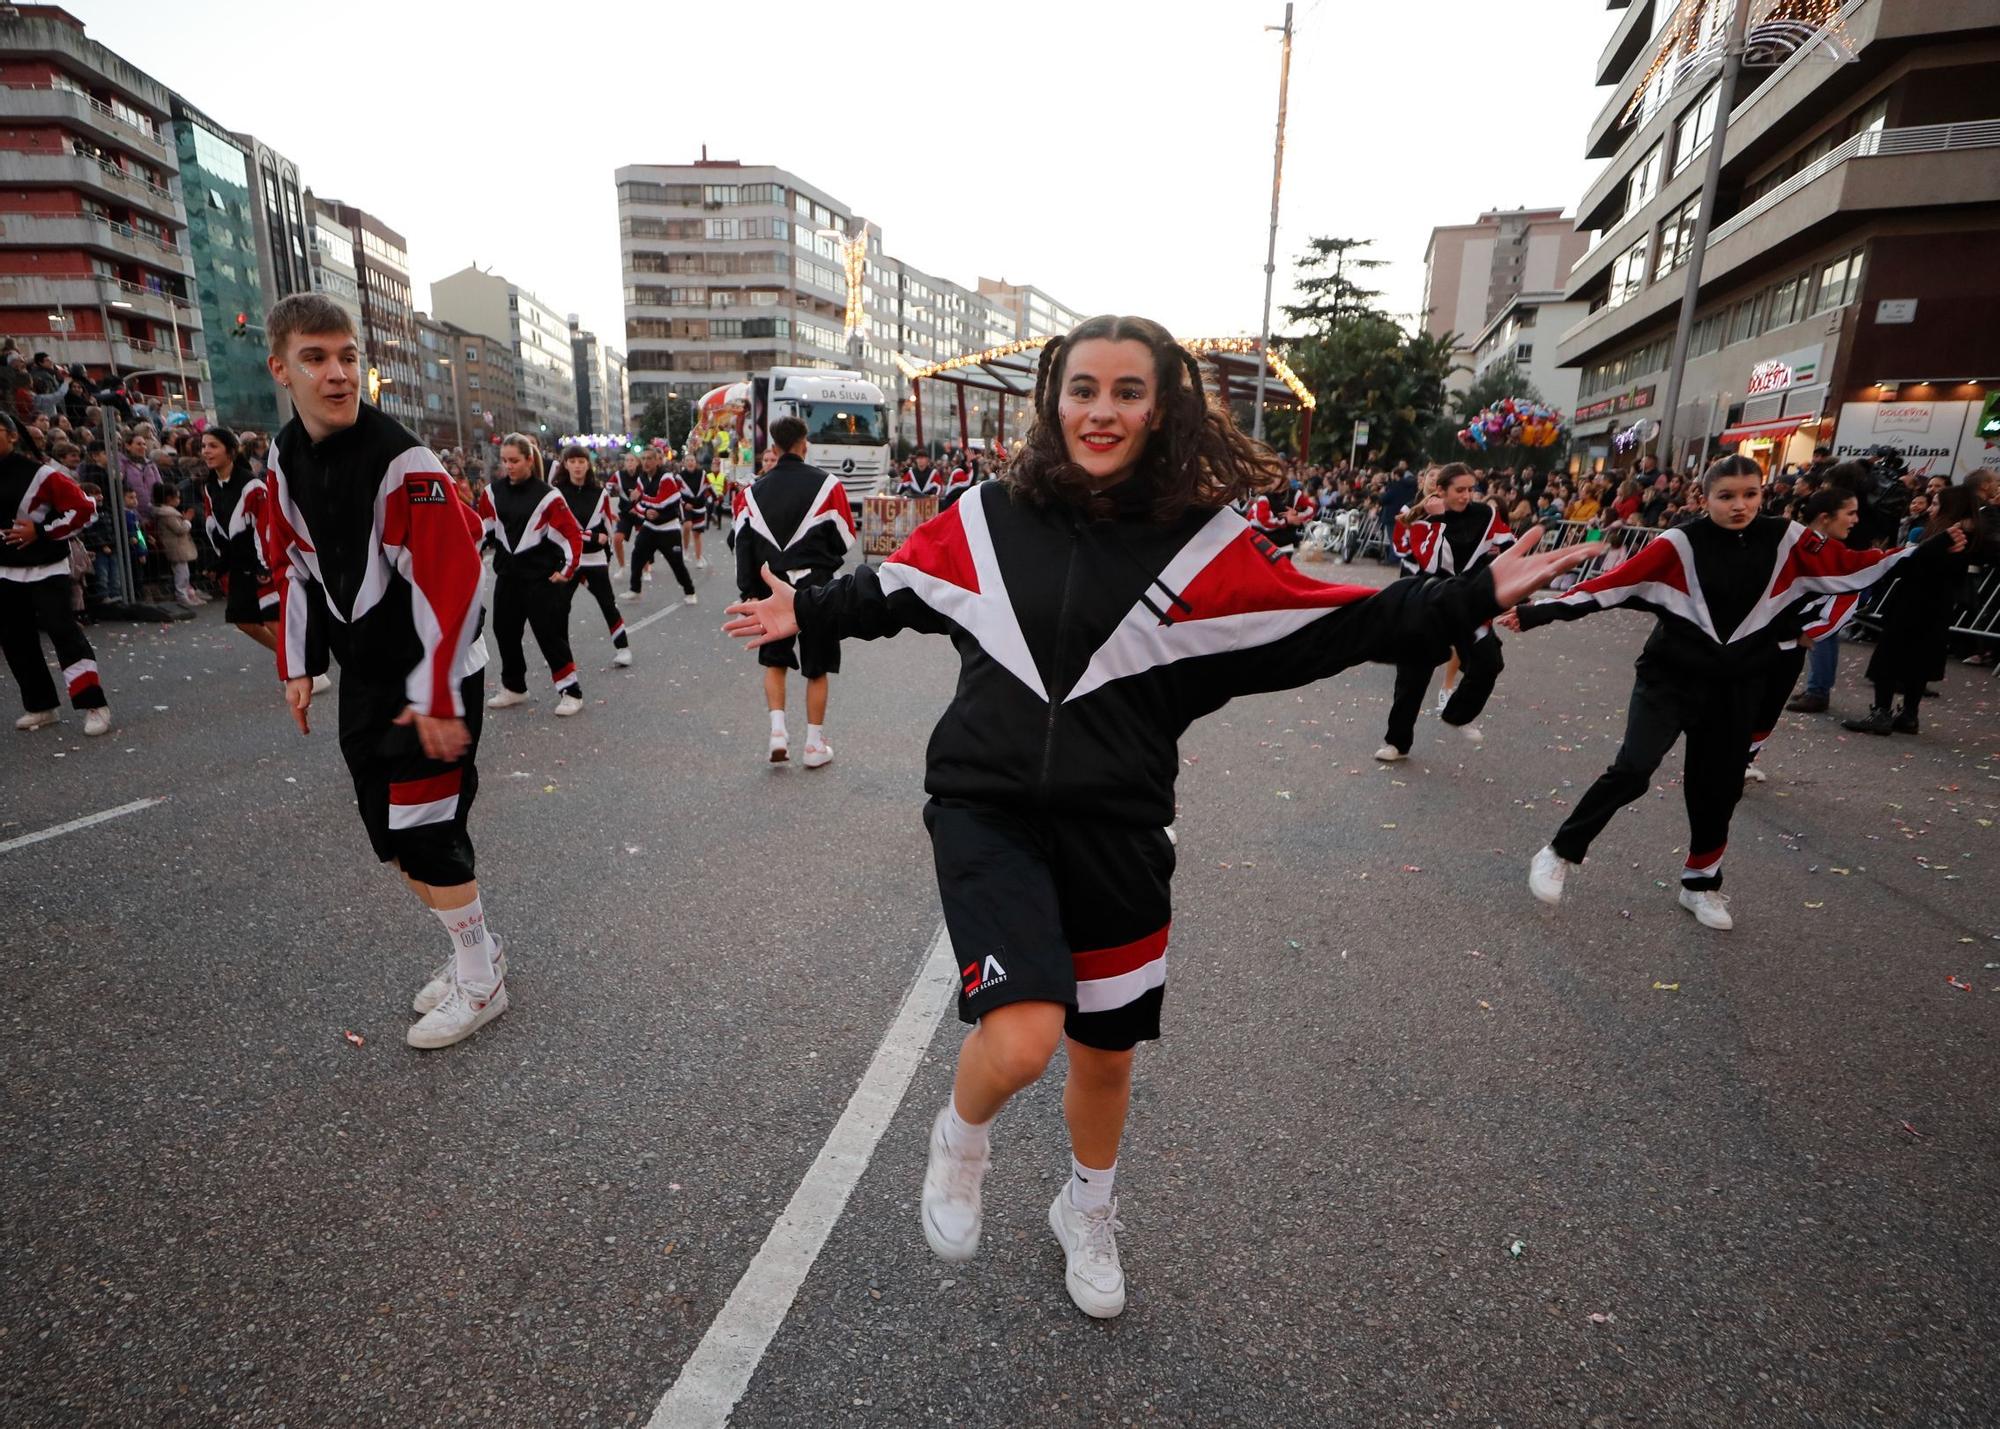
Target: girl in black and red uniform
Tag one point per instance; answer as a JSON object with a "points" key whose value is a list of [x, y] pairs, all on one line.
{"points": [[43, 508], [1730, 588], [232, 503], [695, 501], [536, 546], [589, 501], [1102, 598], [1447, 533]]}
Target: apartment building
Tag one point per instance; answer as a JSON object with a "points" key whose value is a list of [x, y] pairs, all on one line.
{"points": [[733, 268], [95, 263], [1845, 294], [1473, 270], [486, 303]]}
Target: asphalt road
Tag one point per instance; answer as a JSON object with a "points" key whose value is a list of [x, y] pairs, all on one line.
{"points": [[1752, 1173]]}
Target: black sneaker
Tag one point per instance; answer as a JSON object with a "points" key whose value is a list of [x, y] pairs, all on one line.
{"points": [[1874, 722], [1806, 702], [1905, 722]]}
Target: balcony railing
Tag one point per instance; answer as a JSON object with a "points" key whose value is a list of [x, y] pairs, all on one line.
{"points": [[1876, 143], [102, 109], [123, 230]]}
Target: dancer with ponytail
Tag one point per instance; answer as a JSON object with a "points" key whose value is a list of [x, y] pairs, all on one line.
{"points": [[43, 508], [1729, 588], [1447, 533], [589, 502], [1102, 597], [536, 545]]}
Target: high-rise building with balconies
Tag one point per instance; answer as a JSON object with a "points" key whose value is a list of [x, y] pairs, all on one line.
{"points": [[388, 317], [222, 235], [1846, 291], [95, 266], [482, 302]]}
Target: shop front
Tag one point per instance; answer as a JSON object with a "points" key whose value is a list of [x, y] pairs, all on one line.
{"points": [[1953, 437], [1782, 413]]}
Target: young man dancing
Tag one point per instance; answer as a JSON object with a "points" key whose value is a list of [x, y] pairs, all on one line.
{"points": [[377, 561], [795, 519]]}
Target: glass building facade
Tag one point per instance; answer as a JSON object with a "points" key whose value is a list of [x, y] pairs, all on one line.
{"points": [[222, 232]]}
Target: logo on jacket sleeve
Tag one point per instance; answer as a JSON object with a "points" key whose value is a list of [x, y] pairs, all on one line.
{"points": [[426, 490]]}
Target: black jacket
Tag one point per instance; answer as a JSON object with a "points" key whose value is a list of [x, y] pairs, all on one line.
{"points": [[1087, 647], [795, 517], [1726, 599], [43, 493]]}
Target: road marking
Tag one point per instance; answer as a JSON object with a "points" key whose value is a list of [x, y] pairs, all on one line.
{"points": [[661, 614], [83, 823], [719, 1370]]}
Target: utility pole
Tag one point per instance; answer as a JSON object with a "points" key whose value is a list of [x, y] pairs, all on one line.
{"points": [[1725, 96], [1271, 246]]}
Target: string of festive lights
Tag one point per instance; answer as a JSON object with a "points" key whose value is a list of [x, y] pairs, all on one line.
{"points": [[1775, 29]]}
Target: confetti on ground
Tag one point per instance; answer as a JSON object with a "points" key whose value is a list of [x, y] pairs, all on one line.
{"points": [[1815, 905], [1516, 1248], [1284, 793], [1485, 1004], [1388, 826], [1475, 953], [548, 788], [1666, 987], [1913, 1131], [1413, 868], [355, 1037], [1598, 1317], [1961, 986]]}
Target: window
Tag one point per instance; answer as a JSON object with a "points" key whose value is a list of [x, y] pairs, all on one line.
{"points": [[1644, 181], [1628, 275], [718, 193], [1677, 237], [659, 193], [1524, 352], [1694, 128], [1742, 321], [721, 228], [1838, 282], [843, 423], [473, 383]]}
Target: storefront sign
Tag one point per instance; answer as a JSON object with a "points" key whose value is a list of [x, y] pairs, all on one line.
{"points": [[1791, 369], [1611, 406], [1927, 435], [1896, 310]]}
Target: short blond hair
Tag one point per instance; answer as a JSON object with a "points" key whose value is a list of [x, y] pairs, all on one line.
{"points": [[304, 312]]}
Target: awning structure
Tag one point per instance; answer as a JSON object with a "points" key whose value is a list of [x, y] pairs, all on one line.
{"points": [[1010, 371], [1770, 430]]}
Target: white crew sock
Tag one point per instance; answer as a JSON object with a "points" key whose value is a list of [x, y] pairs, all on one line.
{"points": [[472, 947], [777, 721], [967, 1138], [1090, 1189], [815, 734]]}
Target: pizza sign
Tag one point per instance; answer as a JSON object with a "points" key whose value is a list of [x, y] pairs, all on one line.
{"points": [[1772, 376]]}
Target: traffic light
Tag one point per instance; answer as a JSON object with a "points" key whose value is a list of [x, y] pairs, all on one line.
{"points": [[374, 384], [242, 325]]}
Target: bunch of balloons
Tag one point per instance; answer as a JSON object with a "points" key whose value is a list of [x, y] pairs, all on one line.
{"points": [[1513, 422]]}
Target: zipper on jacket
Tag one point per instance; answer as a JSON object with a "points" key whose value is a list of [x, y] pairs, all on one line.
{"points": [[1055, 664]]}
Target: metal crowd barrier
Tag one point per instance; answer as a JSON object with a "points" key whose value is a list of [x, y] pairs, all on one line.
{"points": [[1978, 614]]}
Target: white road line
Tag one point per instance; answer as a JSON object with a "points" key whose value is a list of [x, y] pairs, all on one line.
{"points": [[661, 614], [83, 823], [719, 1370]]}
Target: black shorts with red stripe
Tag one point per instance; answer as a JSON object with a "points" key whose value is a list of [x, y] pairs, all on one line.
{"points": [[414, 807], [1056, 909]]}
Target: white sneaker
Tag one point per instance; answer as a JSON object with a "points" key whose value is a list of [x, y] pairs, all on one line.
{"points": [[1472, 734], [1389, 754], [457, 1017], [507, 699], [97, 721], [322, 683], [1710, 909], [628, 596], [819, 755], [701, 564], [951, 1197], [1753, 775], [690, 599], [569, 705], [1546, 875], [623, 657], [36, 719], [1095, 1279], [781, 747], [439, 987]]}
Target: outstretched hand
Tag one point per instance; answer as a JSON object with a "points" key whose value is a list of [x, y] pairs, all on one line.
{"points": [[759, 622], [1509, 619], [1521, 570]]}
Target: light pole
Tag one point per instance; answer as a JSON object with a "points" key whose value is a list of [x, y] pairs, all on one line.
{"points": [[1271, 244], [457, 407]]}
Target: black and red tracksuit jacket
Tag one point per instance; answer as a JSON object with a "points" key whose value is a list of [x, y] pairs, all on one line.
{"points": [[1087, 646], [1726, 600], [1451, 543], [929, 482], [659, 500], [44, 494], [797, 519], [531, 529], [376, 559]]}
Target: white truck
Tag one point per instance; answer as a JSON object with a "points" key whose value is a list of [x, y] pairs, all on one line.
{"points": [[846, 417]]}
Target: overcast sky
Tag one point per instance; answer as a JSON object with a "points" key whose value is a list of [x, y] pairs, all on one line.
{"points": [[1117, 155]]}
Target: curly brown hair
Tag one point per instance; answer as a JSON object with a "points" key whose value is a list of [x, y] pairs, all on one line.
{"points": [[1196, 458]]}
